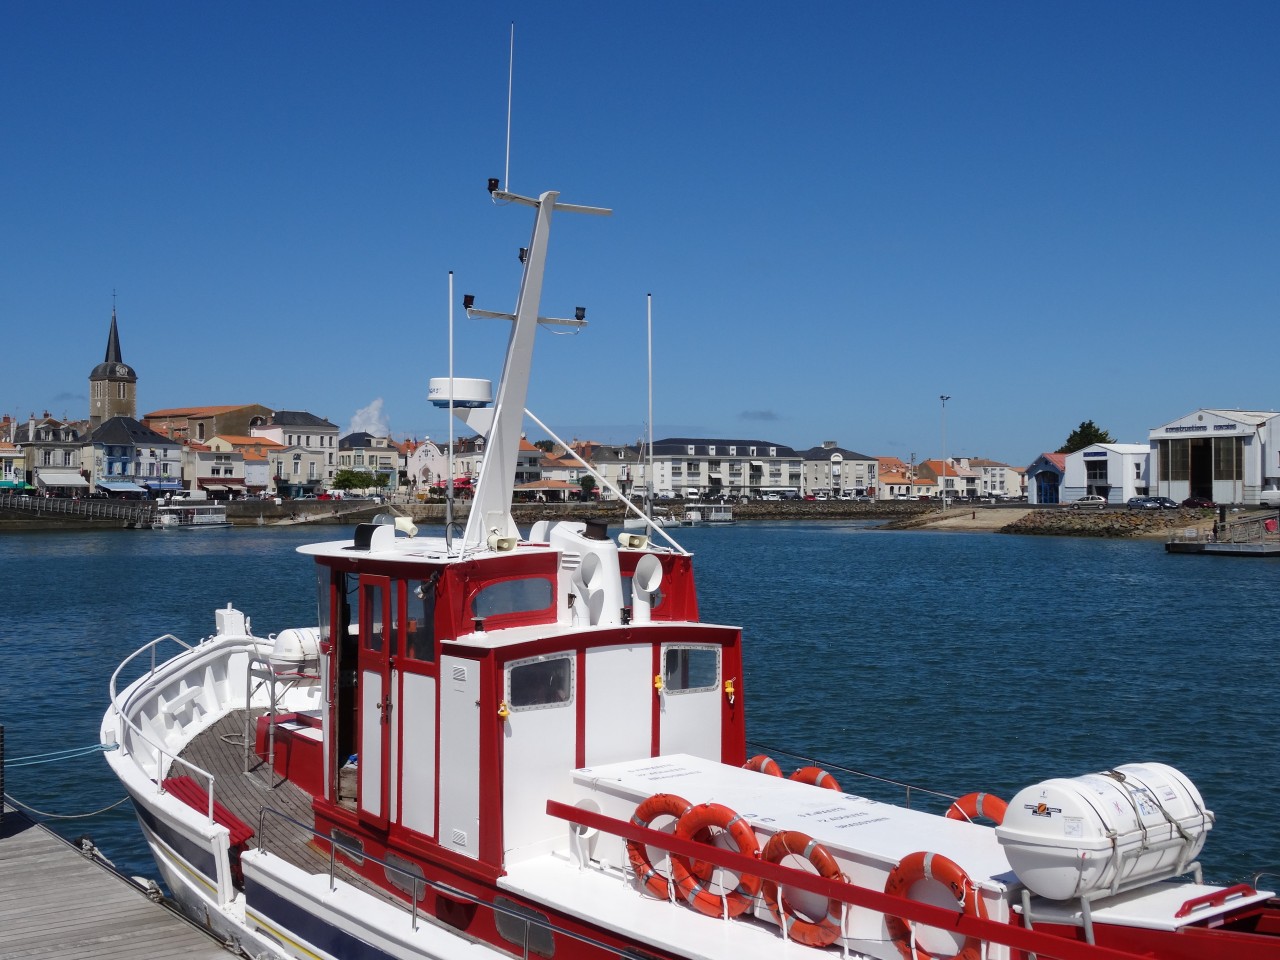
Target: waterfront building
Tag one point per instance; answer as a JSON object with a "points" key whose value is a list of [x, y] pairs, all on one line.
{"points": [[255, 454], [364, 452], [831, 470], [53, 451], [204, 423], [125, 458], [701, 467], [1044, 478], [1116, 471], [13, 467], [215, 468], [1229, 456], [994, 479], [953, 478], [309, 458]]}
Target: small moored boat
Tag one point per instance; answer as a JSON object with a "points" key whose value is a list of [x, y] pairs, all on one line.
{"points": [[191, 515]]}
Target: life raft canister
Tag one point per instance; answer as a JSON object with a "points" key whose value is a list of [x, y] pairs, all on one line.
{"points": [[814, 933], [923, 865], [659, 805], [974, 806], [816, 776], [692, 878], [763, 764]]}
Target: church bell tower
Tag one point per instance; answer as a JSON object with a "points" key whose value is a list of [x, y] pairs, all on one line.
{"points": [[113, 386]]}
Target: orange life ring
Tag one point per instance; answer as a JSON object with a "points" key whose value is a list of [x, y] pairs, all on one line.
{"points": [[933, 866], [659, 805], [814, 933], [816, 776], [691, 878], [973, 806], [762, 764]]}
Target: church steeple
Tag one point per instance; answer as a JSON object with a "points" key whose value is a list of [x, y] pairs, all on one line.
{"points": [[113, 386], [113, 341]]}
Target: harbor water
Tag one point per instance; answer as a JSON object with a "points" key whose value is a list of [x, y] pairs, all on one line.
{"points": [[953, 661]]}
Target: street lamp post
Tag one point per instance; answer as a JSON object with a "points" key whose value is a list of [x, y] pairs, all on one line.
{"points": [[942, 478]]}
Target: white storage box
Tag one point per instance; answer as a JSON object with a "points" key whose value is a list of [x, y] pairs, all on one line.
{"points": [[1104, 832]]}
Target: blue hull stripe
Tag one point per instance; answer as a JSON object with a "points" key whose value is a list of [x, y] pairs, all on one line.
{"points": [[293, 919]]}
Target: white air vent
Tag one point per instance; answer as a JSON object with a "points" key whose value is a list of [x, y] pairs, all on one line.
{"points": [[459, 838], [459, 674], [570, 562]]}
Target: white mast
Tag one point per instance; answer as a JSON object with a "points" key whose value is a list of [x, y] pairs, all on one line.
{"points": [[490, 517]]}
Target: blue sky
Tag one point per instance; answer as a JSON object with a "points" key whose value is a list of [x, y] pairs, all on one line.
{"points": [[1050, 212]]}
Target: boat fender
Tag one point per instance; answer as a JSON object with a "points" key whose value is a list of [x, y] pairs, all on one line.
{"points": [[762, 764], [817, 777], [692, 878], [934, 867], [659, 805], [814, 933], [975, 806]]}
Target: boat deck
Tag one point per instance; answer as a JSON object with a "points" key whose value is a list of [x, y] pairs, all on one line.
{"points": [[220, 750], [56, 903]]}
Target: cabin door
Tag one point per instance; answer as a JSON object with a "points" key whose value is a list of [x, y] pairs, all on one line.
{"points": [[377, 639]]}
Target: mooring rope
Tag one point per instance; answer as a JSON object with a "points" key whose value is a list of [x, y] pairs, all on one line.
{"points": [[64, 816], [57, 755]]}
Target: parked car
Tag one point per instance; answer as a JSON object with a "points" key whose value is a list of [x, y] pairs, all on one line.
{"points": [[1199, 503], [865, 499], [1091, 501], [1142, 503], [1164, 503]]}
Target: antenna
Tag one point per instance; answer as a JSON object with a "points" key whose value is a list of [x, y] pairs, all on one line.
{"points": [[511, 64], [448, 504]]}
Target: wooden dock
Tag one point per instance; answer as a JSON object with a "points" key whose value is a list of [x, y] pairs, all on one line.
{"points": [[57, 904]]}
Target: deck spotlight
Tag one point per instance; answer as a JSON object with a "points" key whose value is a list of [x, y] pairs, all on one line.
{"points": [[493, 184], [468, 301], [524, 254], [580, 313]]}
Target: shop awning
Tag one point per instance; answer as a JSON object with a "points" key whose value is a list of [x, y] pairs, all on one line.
{"points": [[119, 486], [14, 485], [212, 486], [759, 465], [164, 484], [60, 478]]}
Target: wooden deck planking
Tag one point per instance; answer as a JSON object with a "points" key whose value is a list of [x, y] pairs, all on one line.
{"points": [[219, 750], [56, 904]]}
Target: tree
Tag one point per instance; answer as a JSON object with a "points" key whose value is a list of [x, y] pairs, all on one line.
{"points": [[588, 484], [546, 446], [352, 480], [1084, 435]]}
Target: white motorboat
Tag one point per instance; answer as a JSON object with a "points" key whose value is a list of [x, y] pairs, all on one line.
{"points": [[191, 515], [503, 744]]}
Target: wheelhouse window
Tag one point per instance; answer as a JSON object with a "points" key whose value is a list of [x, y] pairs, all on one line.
{"points": [[690, 669], [420, 634], [541, 683], [524, 595], [374, 632]]}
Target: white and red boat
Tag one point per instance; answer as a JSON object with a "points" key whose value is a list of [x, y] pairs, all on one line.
{"points": [[501, 744]]}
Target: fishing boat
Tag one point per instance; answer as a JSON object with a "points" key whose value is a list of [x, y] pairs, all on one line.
{"points": [[191, 515], [507, 744]]}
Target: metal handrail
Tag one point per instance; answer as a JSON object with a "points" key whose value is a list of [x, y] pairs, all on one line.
{"points": [[907, 788], [93, 509], [162, 752], [421, 884]]}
